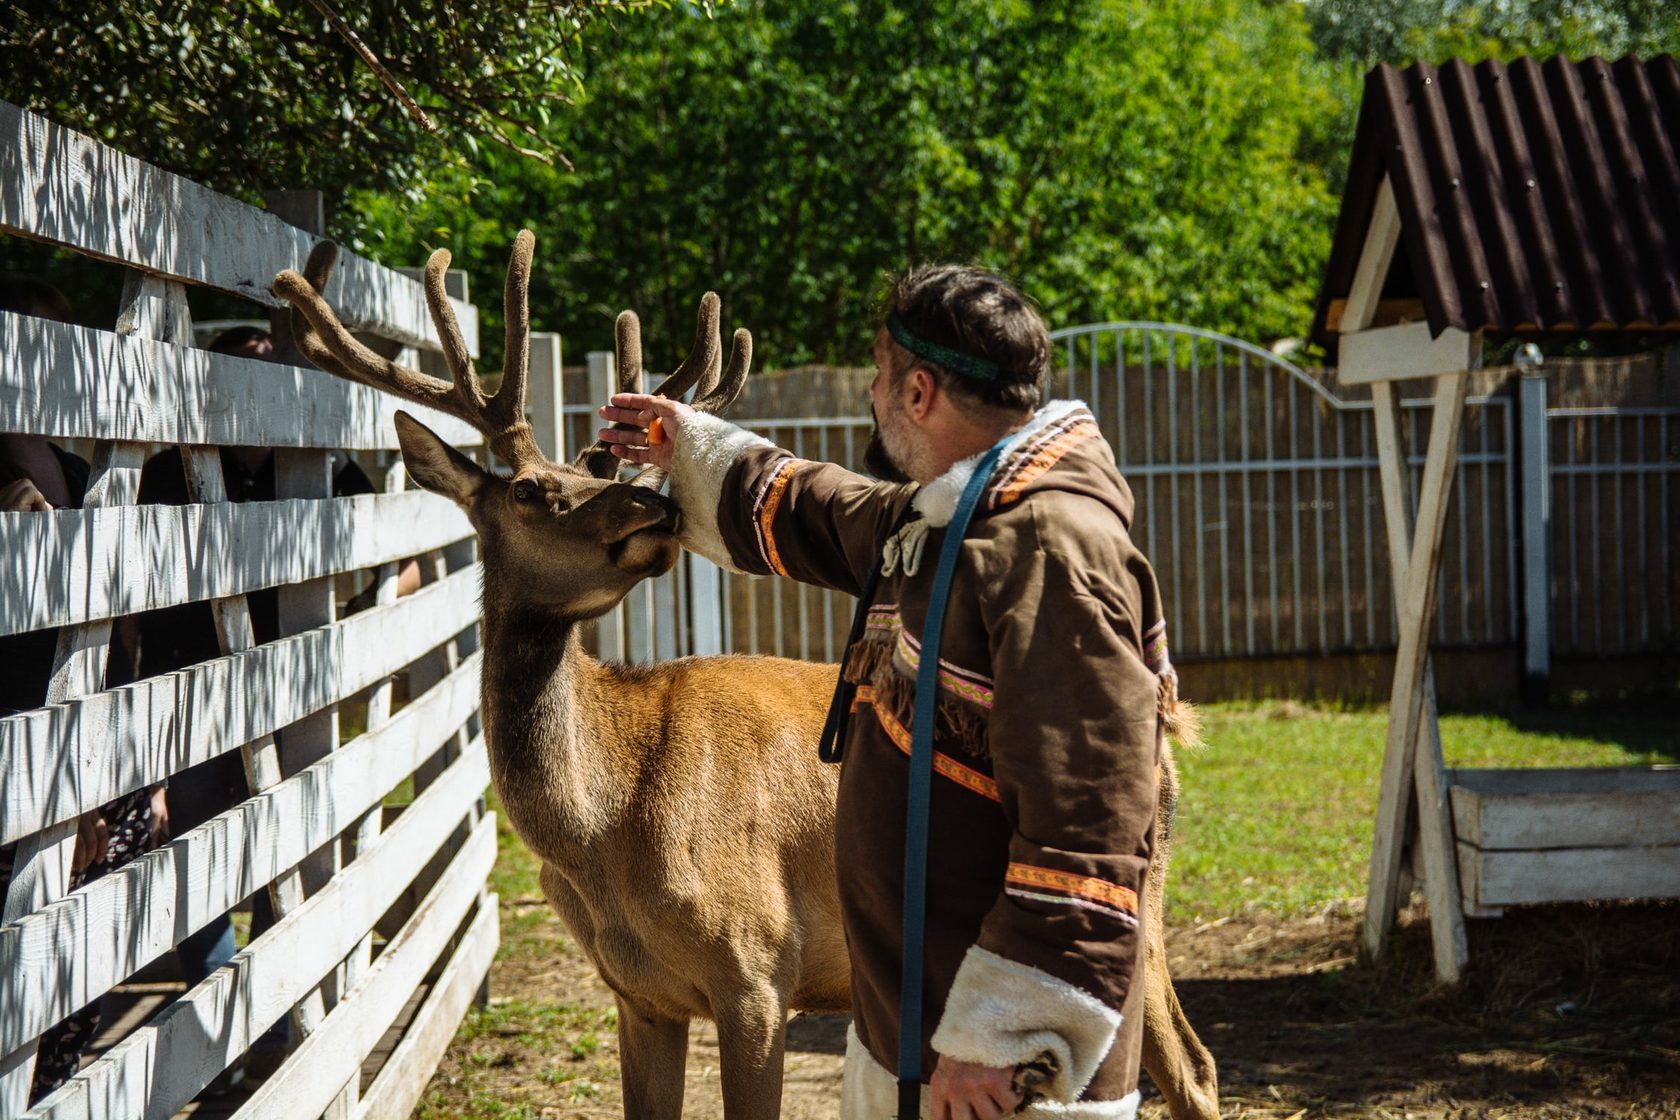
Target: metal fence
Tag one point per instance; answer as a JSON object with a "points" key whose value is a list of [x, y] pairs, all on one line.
{"points": [[1258, 503], [1615, 587]]}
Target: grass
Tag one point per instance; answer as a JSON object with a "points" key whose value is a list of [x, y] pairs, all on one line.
{"points": [[1277, 808]]}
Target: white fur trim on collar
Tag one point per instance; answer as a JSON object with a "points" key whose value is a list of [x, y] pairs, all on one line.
{"points": [[937, 501]]}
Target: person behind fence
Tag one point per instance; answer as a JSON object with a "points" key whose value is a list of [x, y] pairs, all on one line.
{"points": [[1054, 691], [184, 635], [38, 475]]}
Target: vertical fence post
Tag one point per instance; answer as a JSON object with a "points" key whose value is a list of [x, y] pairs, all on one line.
{"points": [[1536, 489], [545, 396], [603, 383], [705, 606], [305, 473]]}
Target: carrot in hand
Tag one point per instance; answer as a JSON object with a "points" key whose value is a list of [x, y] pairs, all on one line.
{"points": [[656, 432]]}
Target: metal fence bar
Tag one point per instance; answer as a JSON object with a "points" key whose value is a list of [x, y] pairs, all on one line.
{"points": [[1224, 510], [1247, 503]]}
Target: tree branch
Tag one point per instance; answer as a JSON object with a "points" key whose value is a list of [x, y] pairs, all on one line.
{"points": [[375, 65]]}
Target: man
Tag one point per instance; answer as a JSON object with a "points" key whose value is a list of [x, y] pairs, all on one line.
{"points": [[1053, 684]]}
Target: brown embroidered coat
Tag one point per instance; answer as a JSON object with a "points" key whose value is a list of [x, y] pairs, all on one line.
{"points": [[1048, 737]]}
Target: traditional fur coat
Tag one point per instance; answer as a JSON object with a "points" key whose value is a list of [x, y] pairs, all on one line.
{"points": [[1052, 683]]}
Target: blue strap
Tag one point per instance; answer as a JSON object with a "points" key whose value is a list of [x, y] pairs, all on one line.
{"points": [[920, 790]]}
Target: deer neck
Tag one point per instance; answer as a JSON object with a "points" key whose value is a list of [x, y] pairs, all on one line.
{"points": [[551, 728]]}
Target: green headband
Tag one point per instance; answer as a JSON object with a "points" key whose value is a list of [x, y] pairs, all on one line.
{"points": [[954, 360]]}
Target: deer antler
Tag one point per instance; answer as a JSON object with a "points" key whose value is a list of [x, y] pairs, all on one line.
{"points": [[324, 340], [715, 386]]}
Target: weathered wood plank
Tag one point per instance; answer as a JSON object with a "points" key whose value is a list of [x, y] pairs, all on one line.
{"points": [[106, 385], [1382, 236], [99, 563], [1406, 702], [54, 762], [1568, 808], [306, 1084], [163, 1065], [1399, 352], [61, 186], [399, 1084], [63, 956], [1523, 878], [1448, 936]]}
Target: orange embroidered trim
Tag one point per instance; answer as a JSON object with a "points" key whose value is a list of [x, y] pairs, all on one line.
{"points": [[1044, 459], [1098, 890], [767, 512], [943, 764]]}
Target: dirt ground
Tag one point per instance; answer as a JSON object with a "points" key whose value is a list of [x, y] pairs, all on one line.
{"points": [[1569, 1012]]}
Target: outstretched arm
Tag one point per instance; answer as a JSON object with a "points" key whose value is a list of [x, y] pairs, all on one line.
{"points": [[752, 506]]}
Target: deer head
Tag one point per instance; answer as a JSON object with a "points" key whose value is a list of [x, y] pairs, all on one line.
{"points": [[570, 538]]}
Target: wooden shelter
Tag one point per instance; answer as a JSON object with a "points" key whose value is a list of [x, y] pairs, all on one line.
{"points": [[1529, 198]]}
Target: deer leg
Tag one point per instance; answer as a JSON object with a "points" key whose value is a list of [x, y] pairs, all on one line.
{"points": [[1177, 1062], [652, 1053], [752, 1038]]}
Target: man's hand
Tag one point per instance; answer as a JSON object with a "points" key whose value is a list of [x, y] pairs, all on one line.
{"points": [[93, 841], [160, 818], [965, 1091], [639, 409], [21, 495]]}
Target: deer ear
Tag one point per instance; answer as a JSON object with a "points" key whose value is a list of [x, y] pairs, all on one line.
{"points": [[434, 464]]}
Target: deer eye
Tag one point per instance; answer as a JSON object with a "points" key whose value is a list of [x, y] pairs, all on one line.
{"points": [[524, 490]]}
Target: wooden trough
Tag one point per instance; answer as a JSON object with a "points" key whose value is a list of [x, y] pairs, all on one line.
{"points": [[1566, 835]]}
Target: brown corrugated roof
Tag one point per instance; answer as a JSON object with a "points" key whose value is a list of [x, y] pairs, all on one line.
{"points": [[1533, 196]]}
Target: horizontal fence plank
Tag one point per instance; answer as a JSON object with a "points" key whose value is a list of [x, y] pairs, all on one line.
{"points": [[398, 1086], [313, 1076], [65, 955], [164, 1064], [99, 563], [58, 762], [60, 186], [70, 382]]}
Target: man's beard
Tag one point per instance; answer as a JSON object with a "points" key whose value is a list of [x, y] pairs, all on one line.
{"points": [[877, 460]]}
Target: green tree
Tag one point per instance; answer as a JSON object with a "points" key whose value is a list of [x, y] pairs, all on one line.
{"points": [[266, 94], [1121, 159]]}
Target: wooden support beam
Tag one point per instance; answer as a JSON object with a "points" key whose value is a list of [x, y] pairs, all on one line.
{"points": [[1425, 800], [1396, 353], [1402, 768], [1382, 236]]}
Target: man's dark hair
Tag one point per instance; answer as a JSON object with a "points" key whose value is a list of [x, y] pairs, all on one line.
{"points": [[30, 295], [982, 315], [230, 340]]}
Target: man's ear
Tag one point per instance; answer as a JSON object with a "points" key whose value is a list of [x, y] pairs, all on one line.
{"points": [[435, 465], [918, 392]]}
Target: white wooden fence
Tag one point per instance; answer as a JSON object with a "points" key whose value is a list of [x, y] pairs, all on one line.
{"points": [[321, 831]]}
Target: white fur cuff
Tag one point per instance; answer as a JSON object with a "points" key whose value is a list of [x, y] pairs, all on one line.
{"points": [[1002, 1013], [703, 450], [869, 1092]]}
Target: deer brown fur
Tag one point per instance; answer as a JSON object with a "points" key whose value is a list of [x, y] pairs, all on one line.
{"points": [[682, 817]]}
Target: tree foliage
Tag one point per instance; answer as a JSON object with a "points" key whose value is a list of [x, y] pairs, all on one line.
{"points": [[1119, 158], [264, 93]]}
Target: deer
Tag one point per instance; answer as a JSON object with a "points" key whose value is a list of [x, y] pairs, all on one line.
{"points": [[683, 820]]}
